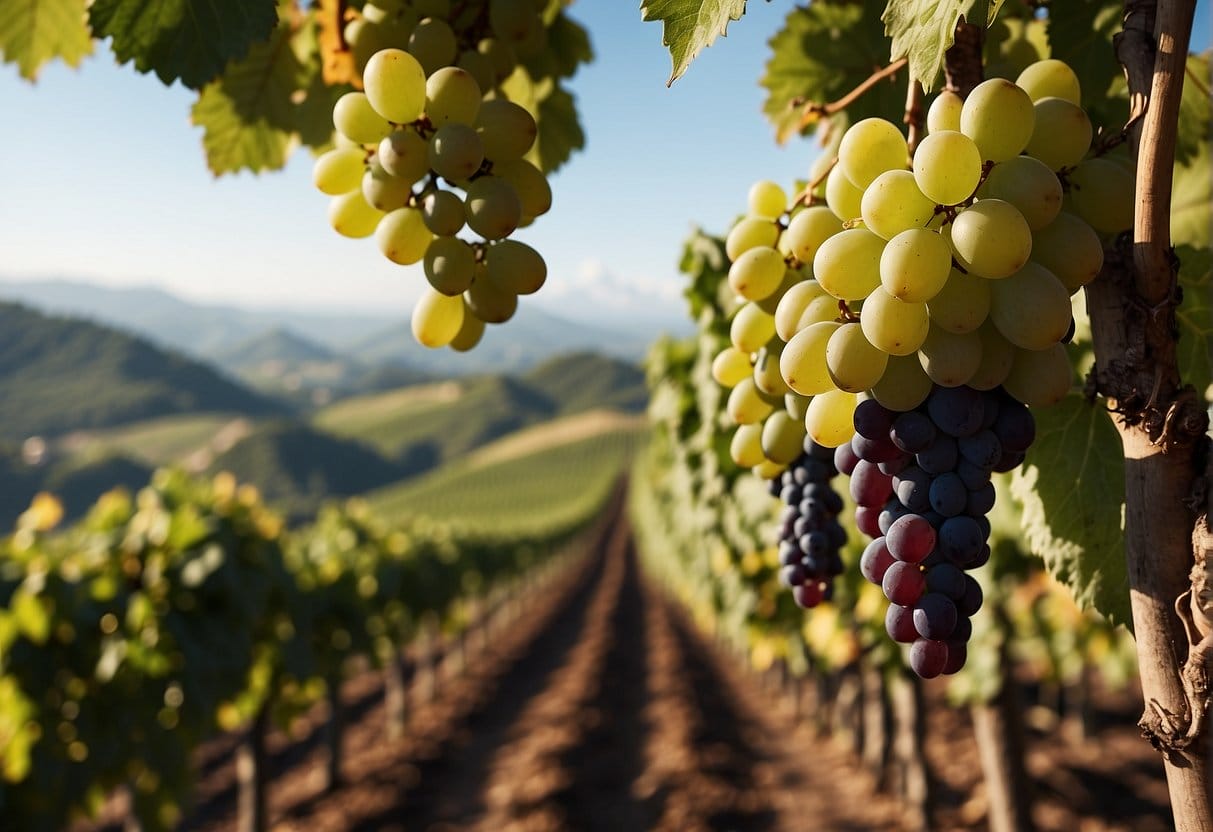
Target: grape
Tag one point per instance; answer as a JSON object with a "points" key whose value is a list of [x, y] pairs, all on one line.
{"points": [[356, 119], [806, 232], [1031, 308], [872, 421], [791, 277], [904, 385], [910, 538], [991, 239], [899, 623], [944, 112], [450, 264], [997, 356], [490, 301], [957, 411], [1070, 249], [913, 489], [433, 44], [746, 446], [828, 419], [962, 304], [1062, 135], [452, 96], [950, 359], [757, 273], [940, 456], [875, 450], [437, 319], [506, 129], [515, 266], [782, 437], [789, 314], [1039, 378], [455, 152], [352, 216], [946, 579], [854, 365], [1102, 192], [1015, 427], [845, 459], [915, 265], [999, 118], [935, 616], [867, 520], [894, 326], [746, 405], [384, 191], [1030, 186], [493, 209], [843, 198], [948, 494], [766, 370], [442, 213], [981, 501], [928, 658], [869, 148], [847, 265], [751, 328], [403, 237], [912, 432], [749, 233], [875, 561], [982, 449], [803, 362], [869, 485], [500, 54], [1050, 77], [767, 200], [395, 86], [960, 538], [470, 332], [970, 602], [339, 171], [903, 583], [529, 183], [893, 203], [796, 405], [479, 67], [403, 153], [947, 167]]}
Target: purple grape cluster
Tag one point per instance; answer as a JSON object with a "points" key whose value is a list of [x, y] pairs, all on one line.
{"points": [[921, 481], [810, 535]]}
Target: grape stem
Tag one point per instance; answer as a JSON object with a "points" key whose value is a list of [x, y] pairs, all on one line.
{"points": [[814, 111], [915, 116], [805, 197]]}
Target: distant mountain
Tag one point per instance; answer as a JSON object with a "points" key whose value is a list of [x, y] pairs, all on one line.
{"points": [[58, 374], [587, 381], [76, 482], [277, 345]]}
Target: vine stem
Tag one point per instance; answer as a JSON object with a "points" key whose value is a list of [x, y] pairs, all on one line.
{"points": [[915, 117], [814, 111]]}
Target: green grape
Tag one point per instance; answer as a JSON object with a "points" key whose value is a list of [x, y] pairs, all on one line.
{"points": [[843, 198], [529, 183], [1050, 77], [516, 266], [470, 332], [437, 319], [500, 54], [507, 130], [782, 437], [892, 325], [493, 208], [904, 385], [991, 239], [791, 277], [915, 265], [490, 301], [395, 85], [1070, 249], [480, 67], [339, 171], [442, 213], [450, 264], [1031, 308], [796, 405], [455, 152], [746, 445], [830, 418], [404, 154], [944, 112], [1062, 135], [352, 216], [452, 96], [746, 405], [847, 265], [757, 273], [807, 230], [766, 370], [947, 167], [751, 328], [356, 119], [790, 315], [1030, 186], [367, 36], [384, 191], [403, 237], [999, 118], [1039, 378], [731, 366], [767, 200], [803, 362], [854, 364], [1102, 193], [818, 171], [869, 148], [963, 303], [997, 356], [768, 470], [433, 44], [894, 203], [950, 359], [749, 233]]}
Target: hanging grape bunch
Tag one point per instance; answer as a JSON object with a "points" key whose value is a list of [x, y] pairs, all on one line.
{"points": [[430, 158], [915, 316]]}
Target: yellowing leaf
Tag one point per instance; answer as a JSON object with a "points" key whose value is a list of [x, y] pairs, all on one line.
{"points": [[33, 32]]}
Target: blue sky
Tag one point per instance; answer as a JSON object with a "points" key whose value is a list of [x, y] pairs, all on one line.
{"points": [[104, 180]]}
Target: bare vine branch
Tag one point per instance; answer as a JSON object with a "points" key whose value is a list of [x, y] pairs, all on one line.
{"points": [[814, 111]]}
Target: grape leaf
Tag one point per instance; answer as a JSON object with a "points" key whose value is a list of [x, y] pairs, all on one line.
{"points": [[35, 31], [1195, 317], [1072, 489], [822, 52], [1195, 111], [922, 31], [1192, 201], [187, 40], [568, 46], [690, 26], [560, 133]]}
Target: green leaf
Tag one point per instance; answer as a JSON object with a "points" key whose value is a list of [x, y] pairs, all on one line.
{"points": [[822, 52], [922, 31], [33, 32], [1192, 201], [1072, 489], [1195, 111], [1080, 33], [560, 133], [690, 26], [189, 40], [568, 46], [1195, 317]]}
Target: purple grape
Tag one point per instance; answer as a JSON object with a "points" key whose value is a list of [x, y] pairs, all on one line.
{"points": [[872, 420], [817, 471], [980, 559], [891, 511], [970, 603], [789, 553], [911, 538], [983, 523], [948, 495], [808, 595], [869, 487], [964, 629], [815, 544], [867, 520], [1015, 427], [815, 565], [834, 565], [899, 624], [912, 432], [800, 475], [958, 651], [874, 450], [845, 459], [990, 410], [957, 411], [972, 476], [981, 500], [928, 658], [819, 452], [935, 616], [934, 518], [895, 466], [1009, 461], [982, 449], [790, 494], [960, 539], [940, 457], [801, 527], [875, 561], [903, 583], [946, 579], [837, 534], [792, 575], [913, 488], [774, 487]]}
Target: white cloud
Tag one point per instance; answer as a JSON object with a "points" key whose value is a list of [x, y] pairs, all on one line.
{"points": [[594, 285]]}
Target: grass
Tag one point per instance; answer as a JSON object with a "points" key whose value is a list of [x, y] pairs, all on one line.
{"points": [[163, 441]]}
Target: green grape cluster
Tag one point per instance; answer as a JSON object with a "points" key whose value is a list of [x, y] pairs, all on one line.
{"points": [[954, 267], [431, 157]]}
